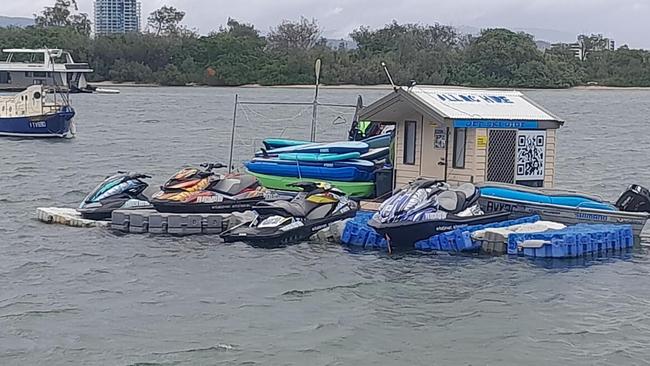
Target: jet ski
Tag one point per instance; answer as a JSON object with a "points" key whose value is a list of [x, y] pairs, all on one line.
{"points": [[120, 191], [279, 223], [429, 207], [194, 190]]}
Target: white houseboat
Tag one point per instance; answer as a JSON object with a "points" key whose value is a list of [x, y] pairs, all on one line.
{"points": [[22, 68]]}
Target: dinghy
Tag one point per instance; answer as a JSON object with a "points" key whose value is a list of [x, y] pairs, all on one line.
{"points": [[567, 207]]}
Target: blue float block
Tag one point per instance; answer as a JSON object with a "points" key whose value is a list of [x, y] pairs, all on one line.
{"points": [[350, 233], [576, 241], [460, 240], [444, 244], [354, 234], [374, 240]]}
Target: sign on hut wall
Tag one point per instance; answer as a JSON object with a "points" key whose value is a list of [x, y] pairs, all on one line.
{"points": [[481, 142], [492, 123], [440, 139], [531, 151]]}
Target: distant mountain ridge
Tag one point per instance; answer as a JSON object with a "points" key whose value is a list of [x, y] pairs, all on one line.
{"points": [[15, 21]]}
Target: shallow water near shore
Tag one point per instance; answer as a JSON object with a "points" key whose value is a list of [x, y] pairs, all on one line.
{"points": [[91, 297]]}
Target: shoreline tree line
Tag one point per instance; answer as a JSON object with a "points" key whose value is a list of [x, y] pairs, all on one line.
{"points": [[237, 54]]}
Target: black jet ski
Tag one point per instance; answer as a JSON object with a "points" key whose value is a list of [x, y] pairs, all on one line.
{"points": [[120, 191], [426, 208], [194, 190], [279, 223]]}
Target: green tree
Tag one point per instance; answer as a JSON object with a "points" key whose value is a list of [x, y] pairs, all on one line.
{"points": [[499, 53], [426, 53], [166, 20], [234, 54], [60, 15], [592, 43], [303, 34]]}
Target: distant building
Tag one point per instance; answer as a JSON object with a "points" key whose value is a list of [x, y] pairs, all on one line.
{"points": [[586, 45], [575, 47], [542, 45], [117, 16], [341, 44]]}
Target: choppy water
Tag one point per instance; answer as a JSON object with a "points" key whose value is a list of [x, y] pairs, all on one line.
{"points": [[87, 296]]}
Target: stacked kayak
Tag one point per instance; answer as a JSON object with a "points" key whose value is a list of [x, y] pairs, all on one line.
{"points": [[374, 142], [350, 165]]}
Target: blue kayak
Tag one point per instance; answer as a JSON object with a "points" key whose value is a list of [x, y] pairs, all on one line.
{"points": [[373, 142], [560, 200], [376, 154], [323, 148], [318, 157], [345, 171], [270, 144], [378, 141]]}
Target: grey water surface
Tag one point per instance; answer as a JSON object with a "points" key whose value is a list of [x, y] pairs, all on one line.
{"points": [[90, 297]]}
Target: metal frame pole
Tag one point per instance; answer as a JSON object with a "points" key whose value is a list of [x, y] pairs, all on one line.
{"points": [[232, 133], [314, 116]]}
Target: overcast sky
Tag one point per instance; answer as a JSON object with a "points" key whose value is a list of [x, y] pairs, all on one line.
{"points": [[627, 21]]}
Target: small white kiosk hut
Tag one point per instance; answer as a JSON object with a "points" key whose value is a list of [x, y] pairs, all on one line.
{"points": [[468, 135]]}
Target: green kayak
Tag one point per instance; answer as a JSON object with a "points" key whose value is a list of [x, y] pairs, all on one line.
{"points": [[352, 189]]}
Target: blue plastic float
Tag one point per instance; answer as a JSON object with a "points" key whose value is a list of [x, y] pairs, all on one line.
{"points": [[573, 241], [357, 233], [460, 240]]}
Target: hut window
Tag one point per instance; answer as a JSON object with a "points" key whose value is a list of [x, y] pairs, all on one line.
{"points": [[409, 142], [459, 147]]}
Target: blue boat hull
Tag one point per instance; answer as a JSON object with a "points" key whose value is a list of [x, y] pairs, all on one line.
{"points": [[569, 208], [58, 124], [338, 172]]}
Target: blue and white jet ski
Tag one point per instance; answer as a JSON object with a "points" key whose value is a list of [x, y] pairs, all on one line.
{"points": [[429, 207], [119, 191]]}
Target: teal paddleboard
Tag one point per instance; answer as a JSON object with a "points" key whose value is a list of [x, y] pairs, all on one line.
{"points": [[319, 157]]}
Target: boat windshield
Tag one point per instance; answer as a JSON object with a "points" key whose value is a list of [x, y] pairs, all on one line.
{"points": [[24, 57]]}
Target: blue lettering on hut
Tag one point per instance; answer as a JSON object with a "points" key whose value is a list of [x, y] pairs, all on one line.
{"points": [[474, 98], [468, 135]]}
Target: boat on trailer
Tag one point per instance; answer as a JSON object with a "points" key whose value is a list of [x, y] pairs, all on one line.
{"points": [[36, 113], [568, 207]]}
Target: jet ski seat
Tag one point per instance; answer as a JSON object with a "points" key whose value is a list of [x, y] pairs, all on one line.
{"points": [[451, 201], [468, 189], [235, 183], [298, 208]]}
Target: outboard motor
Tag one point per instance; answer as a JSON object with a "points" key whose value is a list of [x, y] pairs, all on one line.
{"points": [[634, 199]]}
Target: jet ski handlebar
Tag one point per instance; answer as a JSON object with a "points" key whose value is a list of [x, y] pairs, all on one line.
{"points": [[134, 175], [209, 166], [139, 176]]}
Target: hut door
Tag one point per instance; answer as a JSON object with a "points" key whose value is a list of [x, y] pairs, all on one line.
{"points": [[501, 156], [434, 143]]}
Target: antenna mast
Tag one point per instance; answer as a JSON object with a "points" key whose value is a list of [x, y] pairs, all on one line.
{"points": [[383, 64]]}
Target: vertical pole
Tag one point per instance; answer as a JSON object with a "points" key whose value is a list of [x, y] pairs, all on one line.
{"points": [[314, 115], [232, 133], [446, 153]]}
